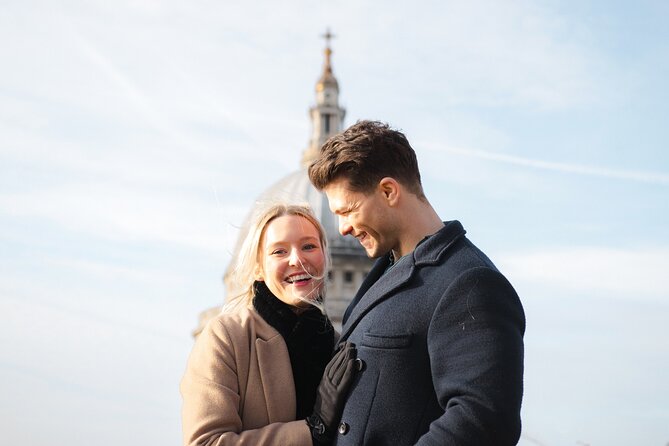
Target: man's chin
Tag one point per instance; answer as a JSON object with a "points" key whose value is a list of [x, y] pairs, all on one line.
{"points": [[373, 253]]}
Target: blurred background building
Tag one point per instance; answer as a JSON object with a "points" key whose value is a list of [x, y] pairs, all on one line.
{"points": [[350, 263]]}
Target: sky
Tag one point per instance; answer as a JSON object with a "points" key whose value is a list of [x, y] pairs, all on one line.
{"points": [[135, 136]]}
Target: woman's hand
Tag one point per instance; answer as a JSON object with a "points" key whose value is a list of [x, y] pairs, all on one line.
{"points": [[331, 394]]}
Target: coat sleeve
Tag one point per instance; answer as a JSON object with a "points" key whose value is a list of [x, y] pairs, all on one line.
{"points": [[475, 343], [211, 398]]}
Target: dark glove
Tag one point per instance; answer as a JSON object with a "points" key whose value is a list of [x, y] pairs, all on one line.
{"points": [[331, 394]]}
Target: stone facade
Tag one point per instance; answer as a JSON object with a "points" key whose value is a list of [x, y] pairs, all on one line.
{"points": [[350, 263]]}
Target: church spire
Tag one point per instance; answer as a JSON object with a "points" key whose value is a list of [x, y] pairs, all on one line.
{"points": [[327, 76], [327, 79], [327, 117]]}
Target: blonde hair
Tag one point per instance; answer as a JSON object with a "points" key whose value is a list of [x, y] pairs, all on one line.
{"points": [[248, 261]]}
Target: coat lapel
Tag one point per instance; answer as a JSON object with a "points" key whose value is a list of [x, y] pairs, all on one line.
{"points": [[377, 271], [379, 286], [374, 291], [277, 379]]}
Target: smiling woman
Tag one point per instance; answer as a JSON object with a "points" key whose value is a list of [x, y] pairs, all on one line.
{"points": [[293, 260], [254, 375]]}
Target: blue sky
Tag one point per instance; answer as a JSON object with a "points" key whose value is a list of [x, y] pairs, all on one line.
{"points": [[135, 135]]}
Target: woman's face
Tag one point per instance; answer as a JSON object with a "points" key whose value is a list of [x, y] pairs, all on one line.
{"points": [[292, 259]]}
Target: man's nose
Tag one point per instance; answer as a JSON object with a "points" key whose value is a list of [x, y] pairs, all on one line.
{"points": [[345, 227]]}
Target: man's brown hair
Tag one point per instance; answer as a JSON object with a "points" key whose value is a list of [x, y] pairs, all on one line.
{"points": [[364, 154]]}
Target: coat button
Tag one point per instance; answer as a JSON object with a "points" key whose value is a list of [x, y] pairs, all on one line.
{"points": [[343, 428], [359, 364]]}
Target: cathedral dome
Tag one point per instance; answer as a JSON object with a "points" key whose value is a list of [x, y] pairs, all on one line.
{"points": [[296, 188], [350, 263], [327, 119]]}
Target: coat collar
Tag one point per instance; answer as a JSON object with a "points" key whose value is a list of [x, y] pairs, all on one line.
{"points": [[276, 375], [378, 286], [275, 372]]}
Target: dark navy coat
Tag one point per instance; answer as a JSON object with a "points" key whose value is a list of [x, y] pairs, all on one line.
{"points": [[441, 337]]}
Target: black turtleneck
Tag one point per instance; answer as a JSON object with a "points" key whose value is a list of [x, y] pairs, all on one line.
{"points": [[309, 337]]}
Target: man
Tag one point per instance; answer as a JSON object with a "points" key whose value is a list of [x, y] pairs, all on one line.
{"points": [[438, 328]]}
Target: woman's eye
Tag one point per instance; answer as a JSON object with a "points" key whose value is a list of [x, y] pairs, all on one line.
{"points": [[310, 246], [278, 252]]}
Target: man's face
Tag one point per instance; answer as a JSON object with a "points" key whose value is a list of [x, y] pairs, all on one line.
{"points": [[365, 216]]}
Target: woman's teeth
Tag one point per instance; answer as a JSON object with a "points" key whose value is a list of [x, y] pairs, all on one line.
{"points": [[298, 278]]}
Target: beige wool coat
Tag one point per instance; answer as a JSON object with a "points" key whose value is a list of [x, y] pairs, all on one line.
{"points": [[238, 388]]}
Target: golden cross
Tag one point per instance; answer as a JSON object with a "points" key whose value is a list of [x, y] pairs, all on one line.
{"points": [[327, 36]]}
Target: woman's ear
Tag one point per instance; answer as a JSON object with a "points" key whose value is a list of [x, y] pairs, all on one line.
{"points": [[257, 274]]}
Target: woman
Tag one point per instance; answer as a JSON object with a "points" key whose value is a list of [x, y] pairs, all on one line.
{"points": [[254, 375]]}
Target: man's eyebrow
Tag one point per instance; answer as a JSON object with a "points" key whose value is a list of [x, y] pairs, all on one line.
{"points": [[336, 209], [343, 210], [352, 206]]}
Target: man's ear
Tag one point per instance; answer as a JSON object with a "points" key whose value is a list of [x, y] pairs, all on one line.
{"points": [[390, 189]]}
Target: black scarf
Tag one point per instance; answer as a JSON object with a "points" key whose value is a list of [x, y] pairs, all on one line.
{"points": [[309, 337]]}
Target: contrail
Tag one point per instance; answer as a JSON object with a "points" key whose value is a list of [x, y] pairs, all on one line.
{"points": [[633, 175], [131, 90]]}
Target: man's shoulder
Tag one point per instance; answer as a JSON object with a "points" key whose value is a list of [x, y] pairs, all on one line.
{"points": [[459, 254], [455, 258]]}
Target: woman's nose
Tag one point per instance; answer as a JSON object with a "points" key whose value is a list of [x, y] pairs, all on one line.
{"points": [[294, 259]]}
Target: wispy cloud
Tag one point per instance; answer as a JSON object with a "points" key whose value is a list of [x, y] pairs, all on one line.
{"points": [[483, 53], [578, 169], [132, 92], [114, 212], [638, 273]]}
